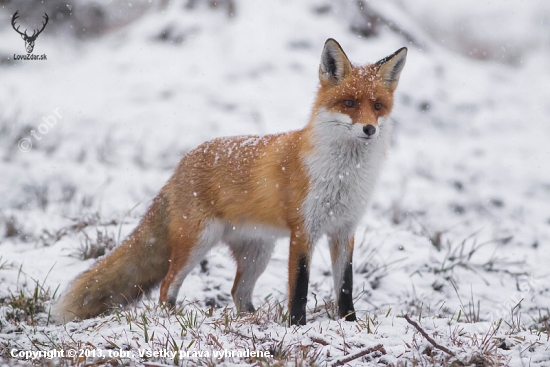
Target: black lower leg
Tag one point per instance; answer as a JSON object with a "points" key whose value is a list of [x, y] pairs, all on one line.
{"points": [[171, 303], [345, 299], [299, 298]]}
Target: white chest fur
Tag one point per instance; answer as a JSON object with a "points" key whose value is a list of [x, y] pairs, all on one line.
{"points": [[343, 170]]}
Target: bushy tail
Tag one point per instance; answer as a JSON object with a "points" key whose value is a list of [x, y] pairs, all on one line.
{"points": [[132, 269]]}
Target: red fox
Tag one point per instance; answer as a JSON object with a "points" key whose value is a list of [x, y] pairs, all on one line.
{"points": [[247, 191]]}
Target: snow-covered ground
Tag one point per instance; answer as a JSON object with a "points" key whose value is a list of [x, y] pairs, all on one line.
{"points": [[457, 236]]}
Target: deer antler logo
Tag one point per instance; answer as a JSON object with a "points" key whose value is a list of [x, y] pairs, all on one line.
{"points": [[29, 40]]}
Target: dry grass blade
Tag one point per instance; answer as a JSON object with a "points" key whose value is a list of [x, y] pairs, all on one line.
{"points": [[428, 338], [349, 358]]}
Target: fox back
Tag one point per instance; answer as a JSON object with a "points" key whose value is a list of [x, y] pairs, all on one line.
{"points": [[248, 191]]}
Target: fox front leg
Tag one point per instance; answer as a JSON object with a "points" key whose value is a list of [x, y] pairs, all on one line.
{"points": [[341, 252], [298, 276]]}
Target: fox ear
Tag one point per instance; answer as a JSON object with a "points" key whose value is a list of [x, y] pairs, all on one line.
{"points": [[389, 68], [335, 65]]}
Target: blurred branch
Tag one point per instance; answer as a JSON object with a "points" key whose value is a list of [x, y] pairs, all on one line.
{"points": [[229, 5], [374, 19]]}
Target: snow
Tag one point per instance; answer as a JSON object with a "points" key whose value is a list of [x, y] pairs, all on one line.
{"points": [[457, 235]]}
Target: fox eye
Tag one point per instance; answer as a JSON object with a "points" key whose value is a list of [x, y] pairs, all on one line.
{"points": [[377, 106], [349, 103]]}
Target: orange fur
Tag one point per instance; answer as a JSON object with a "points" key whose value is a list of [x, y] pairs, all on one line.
{"points": [[235, 181]]}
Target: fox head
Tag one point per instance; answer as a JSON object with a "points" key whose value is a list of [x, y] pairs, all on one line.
{"points": [[355, 100]]}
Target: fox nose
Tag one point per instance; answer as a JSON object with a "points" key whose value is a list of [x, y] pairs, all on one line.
{"points": [[369, 130]]}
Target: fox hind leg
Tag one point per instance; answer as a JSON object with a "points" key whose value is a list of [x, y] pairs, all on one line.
{"points": [[186, 254], [252, 257]]}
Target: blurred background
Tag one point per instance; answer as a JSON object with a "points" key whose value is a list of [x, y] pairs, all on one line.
{"points": [[461, 208], [503, 32]]}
